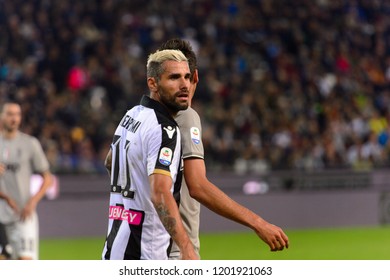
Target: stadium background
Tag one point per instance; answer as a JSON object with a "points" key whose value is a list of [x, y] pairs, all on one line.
{"points": [[294, 98]]}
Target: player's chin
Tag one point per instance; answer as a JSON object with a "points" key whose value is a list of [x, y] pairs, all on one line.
{"points": [[182, 105]]}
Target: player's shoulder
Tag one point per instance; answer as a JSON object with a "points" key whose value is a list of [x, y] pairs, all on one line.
{"points": [[189, 111], [187, 115], [27, 137]]}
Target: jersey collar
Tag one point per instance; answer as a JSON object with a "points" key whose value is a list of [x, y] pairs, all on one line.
{"points": [[155, 105]]}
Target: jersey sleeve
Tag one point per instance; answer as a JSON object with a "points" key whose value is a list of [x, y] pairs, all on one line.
{"points": [[39, 161], [191, 133], [163, 146]]}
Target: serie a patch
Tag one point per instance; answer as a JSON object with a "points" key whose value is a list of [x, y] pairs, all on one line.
{"points": [[165, 156], [195, 135]]}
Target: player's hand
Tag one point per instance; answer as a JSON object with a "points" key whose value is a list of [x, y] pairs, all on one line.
{"points": [[273, 235], [28, 210]]}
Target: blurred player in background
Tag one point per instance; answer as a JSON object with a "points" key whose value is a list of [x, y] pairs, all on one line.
{"points": [[5, 247], [21, 155], [197, 188], [146, 162]]}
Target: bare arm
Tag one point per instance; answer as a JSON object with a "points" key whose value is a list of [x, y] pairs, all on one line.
{"points": [[9, 201], [168, 212], [33, 202], [3, 196], [212, 197], [108, 161]]}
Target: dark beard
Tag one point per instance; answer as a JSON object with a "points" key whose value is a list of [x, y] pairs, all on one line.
{"points": [[172, 105]]}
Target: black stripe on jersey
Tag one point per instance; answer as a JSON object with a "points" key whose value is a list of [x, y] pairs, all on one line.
{"points": [[167, 141], [128, 179], [111, 237], [169, 247], [177, 186], [115, 161], [133, 248]]}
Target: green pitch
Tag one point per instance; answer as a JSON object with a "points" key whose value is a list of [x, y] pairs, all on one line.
{"points": [[313, 244]]}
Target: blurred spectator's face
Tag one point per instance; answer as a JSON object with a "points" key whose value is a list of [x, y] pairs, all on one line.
{"points": [[11, 117]]}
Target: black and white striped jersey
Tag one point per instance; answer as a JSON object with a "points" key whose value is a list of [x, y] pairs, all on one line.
{"points": [[146, 141]]}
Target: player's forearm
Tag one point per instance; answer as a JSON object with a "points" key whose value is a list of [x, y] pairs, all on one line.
{"points": [[3, 196], [168, 213], [212, 197], [108, 161], [217, 201], [47, 181], [165, 214]]}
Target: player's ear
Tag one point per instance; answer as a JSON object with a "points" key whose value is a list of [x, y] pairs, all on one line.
{"points": [[195, 78], [152, 84]]}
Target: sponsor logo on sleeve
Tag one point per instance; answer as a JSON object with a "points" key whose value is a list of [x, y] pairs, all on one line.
{"points": [[165, 156], [170, 131], [195, 135]]}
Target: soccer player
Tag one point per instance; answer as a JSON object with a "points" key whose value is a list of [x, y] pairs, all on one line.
{"points": [[146, 162], [197, 188], [21, 155]]}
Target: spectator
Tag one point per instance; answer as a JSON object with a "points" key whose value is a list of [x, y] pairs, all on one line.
{"points": [[307, 75]]}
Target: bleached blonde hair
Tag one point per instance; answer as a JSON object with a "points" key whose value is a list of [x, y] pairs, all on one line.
{"points": [[154, 67]]}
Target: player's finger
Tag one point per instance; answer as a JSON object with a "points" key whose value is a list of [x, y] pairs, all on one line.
{"points": [[282, 243], [276, 245], [272, 246], [285, 239]]}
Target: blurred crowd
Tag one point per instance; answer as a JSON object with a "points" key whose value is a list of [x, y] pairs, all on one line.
{"points": [[284, 84]]}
